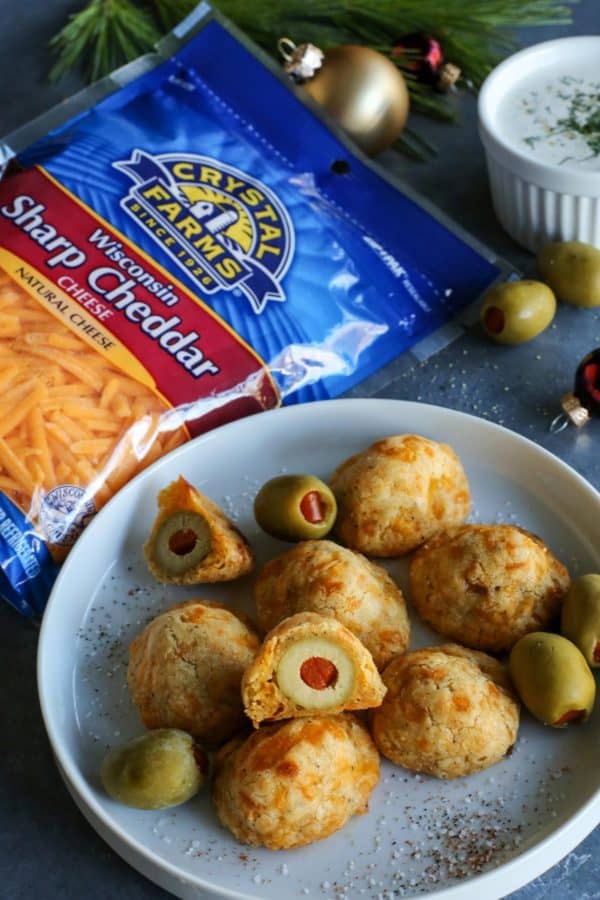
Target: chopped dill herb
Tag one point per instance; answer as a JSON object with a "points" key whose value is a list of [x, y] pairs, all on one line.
{"points": [[580, 120]]}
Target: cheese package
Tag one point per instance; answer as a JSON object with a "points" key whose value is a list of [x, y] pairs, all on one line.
{"points": [[183, 244]]}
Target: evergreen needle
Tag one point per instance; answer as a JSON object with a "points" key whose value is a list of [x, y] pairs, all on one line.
{"points": [[104, 35]]}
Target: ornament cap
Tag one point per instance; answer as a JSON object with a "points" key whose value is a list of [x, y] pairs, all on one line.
{"points": [[302, 61], [576, 412], [447, 77]]}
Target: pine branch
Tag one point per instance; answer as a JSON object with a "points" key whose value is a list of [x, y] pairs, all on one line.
{"points": [[424, 100], [415, 145], [105, 34], [475, 39], [171, 12]]}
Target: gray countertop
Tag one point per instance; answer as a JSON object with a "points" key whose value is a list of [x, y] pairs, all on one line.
{"points": [[47, 849]]}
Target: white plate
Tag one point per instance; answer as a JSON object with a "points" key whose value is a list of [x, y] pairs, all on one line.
{"points": [[477, 837]]}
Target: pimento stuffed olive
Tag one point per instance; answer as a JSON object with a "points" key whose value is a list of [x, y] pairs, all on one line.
{"points": [[295, 507]]}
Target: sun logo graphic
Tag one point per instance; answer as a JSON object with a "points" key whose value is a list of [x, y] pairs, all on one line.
{"points": [[227, 231]]}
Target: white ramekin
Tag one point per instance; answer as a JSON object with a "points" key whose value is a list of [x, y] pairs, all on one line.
{"points": [[535, 201]]}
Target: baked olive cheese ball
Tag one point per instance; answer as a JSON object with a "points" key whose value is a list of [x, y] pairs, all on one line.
{"points": [[185, 670], [309, 663], [487, 585], [295, 782], [322, 577], [448, 712], [192, 541], [397, 493]]}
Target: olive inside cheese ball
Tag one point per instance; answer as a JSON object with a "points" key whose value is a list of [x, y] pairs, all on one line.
{"points": [[192, 541], [397, 493], [309, 663], [185, 670], [448, 712], [295, 782], [487, 585], [322, 577]]}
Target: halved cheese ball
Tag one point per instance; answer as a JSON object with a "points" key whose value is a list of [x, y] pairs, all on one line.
{"points": [[397, 493], [316, 673], [192, 541], [185, 670], [322, 577], [295, 782], [487, 585], [448, 712], [308, 663]]}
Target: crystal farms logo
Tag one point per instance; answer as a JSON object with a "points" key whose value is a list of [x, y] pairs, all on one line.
{"points": [[227, 231]]}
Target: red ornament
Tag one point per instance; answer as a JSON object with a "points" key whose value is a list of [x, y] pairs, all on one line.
{"points": [[587, 382], [584, 400], [423, 55]]}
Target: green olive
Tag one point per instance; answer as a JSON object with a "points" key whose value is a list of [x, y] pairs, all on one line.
{"points": [[517, 311], [156, 770], [295, 507], [552, 678], [182, 541], [580, 617], [572, 269]]}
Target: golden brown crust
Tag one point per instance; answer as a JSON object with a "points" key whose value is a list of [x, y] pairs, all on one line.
{"points": [[397, 493], [295, 782], [185, 670], [264, 700], [487, 585], [322, 577], [230, 555], [448, 712]]}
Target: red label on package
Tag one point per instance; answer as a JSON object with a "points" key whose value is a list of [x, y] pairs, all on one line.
{"points": [[120, 302]]}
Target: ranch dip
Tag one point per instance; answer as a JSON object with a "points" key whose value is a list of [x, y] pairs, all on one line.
{"points": [[555, 118]]}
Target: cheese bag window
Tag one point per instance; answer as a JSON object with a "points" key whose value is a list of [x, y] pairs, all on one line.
{"points": [[181, 253]]}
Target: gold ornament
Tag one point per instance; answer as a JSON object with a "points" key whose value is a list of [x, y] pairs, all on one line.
{"points": [[360, 88]]}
